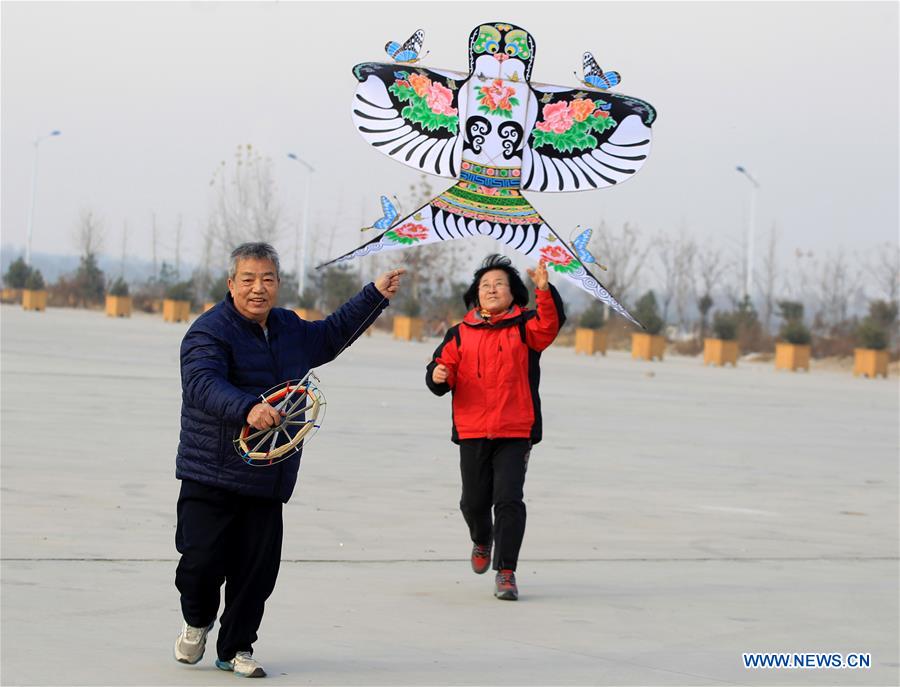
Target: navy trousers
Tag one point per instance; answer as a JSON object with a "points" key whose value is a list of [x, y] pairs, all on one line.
{"points": [[224, 537]]}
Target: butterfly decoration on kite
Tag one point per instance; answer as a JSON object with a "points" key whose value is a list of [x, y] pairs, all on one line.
{"points": [[580, 245], [595, 77], [496, 134], [302, 406], [389, 216], [408, 51]]}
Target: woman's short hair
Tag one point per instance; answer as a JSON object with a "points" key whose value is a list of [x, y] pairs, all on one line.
{"points": [[255, 250], [496, 261]]}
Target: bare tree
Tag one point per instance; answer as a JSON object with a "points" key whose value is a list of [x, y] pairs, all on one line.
{"points": [[178, 247], [685, 256], [625, 255], [244, 205], [89, 233], [733, 278], [88, 284], [798, 279], [124, 249], [665, 251], [203, 273], [834, 283], [154, 240], [766, 282], [421, 262], [710, 266], [884, 268], [675, 261]]}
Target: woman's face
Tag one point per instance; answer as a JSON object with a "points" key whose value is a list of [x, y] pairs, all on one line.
{"points": [[494, 294]]}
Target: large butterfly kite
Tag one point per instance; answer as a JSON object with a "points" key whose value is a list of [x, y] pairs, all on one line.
{"points": [[498, 134]]}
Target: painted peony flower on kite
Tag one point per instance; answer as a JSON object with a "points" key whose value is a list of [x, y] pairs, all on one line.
{"points": [[497, 99], [568, 126], [430, 103], [559, 259], [408, 233], [439, 98], [557, 118]]}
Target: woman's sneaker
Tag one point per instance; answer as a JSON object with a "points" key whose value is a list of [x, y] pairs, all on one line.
{"points": [[191, 643], [243, 665], [506, 586], [481, 558]]}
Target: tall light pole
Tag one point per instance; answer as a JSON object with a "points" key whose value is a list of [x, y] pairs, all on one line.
{"points": [[751, 229], [34, 169], [301, 264]]}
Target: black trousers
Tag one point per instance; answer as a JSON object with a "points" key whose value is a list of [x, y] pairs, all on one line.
{"points": [[493, 474], [226, 537]]}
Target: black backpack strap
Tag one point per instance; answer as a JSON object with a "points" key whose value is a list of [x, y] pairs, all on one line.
{"points": [[527, 315]]}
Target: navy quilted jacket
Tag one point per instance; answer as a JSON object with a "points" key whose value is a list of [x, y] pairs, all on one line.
{"points": [[226, 363]]}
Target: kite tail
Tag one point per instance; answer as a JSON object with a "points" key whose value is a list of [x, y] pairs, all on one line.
{"points": [[462, 211], [497, 211]]}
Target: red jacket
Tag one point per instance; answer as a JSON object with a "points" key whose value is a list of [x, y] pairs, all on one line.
{"points": [[494, 370]]}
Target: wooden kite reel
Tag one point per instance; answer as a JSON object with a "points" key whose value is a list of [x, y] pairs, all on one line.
{"points": [[302, 405]]}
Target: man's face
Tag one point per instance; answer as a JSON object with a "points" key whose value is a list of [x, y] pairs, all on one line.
{"points": [[494, 294], [254, 288]]}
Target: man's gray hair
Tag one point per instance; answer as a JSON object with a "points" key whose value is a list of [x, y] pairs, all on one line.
{"points": [[257, 250]]}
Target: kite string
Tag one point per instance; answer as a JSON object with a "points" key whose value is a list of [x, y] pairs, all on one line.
{"points": [[361, 326]]}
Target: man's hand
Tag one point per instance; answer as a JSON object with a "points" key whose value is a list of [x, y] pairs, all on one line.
{"points": [[539, 276], [439, 374], [389, 282], [263, 416]]}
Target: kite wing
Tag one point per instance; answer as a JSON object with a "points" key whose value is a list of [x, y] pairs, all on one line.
{"points": [[412, 114], [582, 140]]}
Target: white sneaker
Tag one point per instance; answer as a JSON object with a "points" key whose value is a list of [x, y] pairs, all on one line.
{"points": [[191, 643], [243, 665]]}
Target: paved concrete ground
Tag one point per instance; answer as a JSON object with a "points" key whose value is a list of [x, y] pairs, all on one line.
{"points": [[678, 516]]}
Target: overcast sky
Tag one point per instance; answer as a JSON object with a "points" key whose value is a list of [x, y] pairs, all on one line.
{"points": [[150, 97]]}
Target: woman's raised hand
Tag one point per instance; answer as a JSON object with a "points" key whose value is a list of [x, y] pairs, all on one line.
{"points": [[539, 276]]}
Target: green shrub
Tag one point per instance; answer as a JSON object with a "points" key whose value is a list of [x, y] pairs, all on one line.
{"points": [[790, 311], [883, 313], [89, 282], [871, 334], [593, 316], [218, 289], [704, 305], [119, 287], [308, 298], [647, 313], [795, 332], [725, 326], [409, 306], [337, 285], [179, 291], [17, 274], [35, 281]]}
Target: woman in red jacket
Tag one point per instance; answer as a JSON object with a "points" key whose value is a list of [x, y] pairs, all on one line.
{"points": [[490, 361]]}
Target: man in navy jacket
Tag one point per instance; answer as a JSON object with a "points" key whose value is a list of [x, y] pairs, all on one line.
{"points": [[229, 513]]}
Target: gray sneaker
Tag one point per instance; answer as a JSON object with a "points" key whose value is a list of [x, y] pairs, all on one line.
{"points": [[191, 643], [243, 665]]}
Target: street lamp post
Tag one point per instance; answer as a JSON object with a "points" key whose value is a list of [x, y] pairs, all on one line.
{"points": [[751, 229], [301, 264], [34, 169]]}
